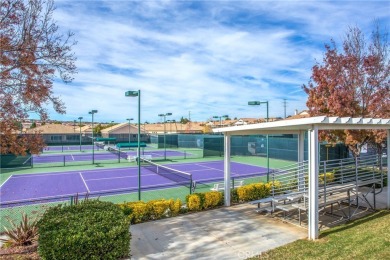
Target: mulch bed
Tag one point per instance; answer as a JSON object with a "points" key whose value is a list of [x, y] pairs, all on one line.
{"points": [[20, 252]]}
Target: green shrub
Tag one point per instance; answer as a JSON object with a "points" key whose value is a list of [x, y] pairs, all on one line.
{"points": [[233, 196], [89, 230]]}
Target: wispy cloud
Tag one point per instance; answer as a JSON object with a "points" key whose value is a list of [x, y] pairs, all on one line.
{"points": [[207, 57]]}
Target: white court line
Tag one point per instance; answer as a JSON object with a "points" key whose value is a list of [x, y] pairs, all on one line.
{"points": [[70, 172], [27, 159], [61, 197], [201, 170], [110, 178], [211, 168], [86, 186], [143, 187], [5, 181], [72, 157]]}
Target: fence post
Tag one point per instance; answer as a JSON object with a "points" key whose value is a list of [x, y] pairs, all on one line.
{"points": [[192, 185], [325, 182], [64, 160]]}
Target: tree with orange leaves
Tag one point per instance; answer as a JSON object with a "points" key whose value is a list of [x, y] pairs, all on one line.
{"points": [[353, 82], [33, 54]]}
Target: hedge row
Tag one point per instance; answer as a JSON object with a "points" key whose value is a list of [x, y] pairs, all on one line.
{"points": [[155, 209], [253, 191], [207, 200], [141, 211]]}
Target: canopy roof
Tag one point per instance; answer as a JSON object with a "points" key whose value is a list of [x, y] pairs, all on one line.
{"points": [[294, 126], [102, 139]]}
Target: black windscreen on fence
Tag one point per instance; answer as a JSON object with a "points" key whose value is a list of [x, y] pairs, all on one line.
{"points": [[191, 140], [284, 147], [171, 141], [213, 146], [15, 161]]}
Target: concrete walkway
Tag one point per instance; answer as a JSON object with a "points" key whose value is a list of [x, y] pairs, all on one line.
{"points": [[236, 232]]}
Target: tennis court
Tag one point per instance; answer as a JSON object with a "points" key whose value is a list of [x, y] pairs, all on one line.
{"points": [[30, 187], [43, 159], [65, 148], [59, 148]]}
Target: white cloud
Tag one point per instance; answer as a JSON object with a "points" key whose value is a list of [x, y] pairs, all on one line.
{"points": [[207, 57]]}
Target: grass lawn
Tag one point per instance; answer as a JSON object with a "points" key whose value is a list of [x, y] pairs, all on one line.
{"points": [[365, 238]]}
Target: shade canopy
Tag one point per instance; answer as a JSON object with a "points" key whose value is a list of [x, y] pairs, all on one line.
{"points": [[294, 126], [310, 125]]}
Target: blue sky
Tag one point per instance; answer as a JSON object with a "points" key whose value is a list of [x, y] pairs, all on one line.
{"points": [[207, 57]]}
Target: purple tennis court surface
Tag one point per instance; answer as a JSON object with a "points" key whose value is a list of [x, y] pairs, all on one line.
{"points": [[102, 156], [68, 148], [64, 148], [30, 187]]}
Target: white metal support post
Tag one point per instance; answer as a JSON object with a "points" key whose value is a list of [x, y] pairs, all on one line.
{"points": [[227, 169], [301, 158], [313, 231], [388, 168]]}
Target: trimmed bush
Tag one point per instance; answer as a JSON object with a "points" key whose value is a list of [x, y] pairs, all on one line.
{"points": [[194, 202], [136, 211], [212, 199], [89, 230], [328, 177], [207, 200], [234, 196], [175, 207], [141, 211], [158, 208], [254, 191]]}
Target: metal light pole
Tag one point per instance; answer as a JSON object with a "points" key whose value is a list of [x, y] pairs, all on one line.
{"points": [[80, 130], [170, 124], [129, 119], [165, 147], [258, 103], [135, 94], [92, 112]]}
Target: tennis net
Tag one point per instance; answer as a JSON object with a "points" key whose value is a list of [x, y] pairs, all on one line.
{"points": [[181, 178], [99, 144], [117, 152]]}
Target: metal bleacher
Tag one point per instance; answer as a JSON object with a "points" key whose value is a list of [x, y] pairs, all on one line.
{"points": [[344, 186]]}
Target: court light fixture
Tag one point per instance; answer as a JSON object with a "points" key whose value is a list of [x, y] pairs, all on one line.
{"points": [[220, 119], [137, 93], [129, 119], [165, 147], [92, 112], [80, 129]]}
